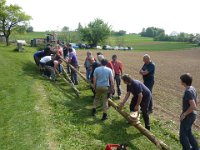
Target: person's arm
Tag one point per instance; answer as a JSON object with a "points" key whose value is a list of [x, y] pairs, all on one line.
{"points": [[112, 82], [94, 80], [139, 100], [121, 68], [94, 83], [192, 107], [141, 70], [144, 72], [121, 104]]}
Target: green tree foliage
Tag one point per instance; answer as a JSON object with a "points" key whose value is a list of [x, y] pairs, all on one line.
{"points": [[29, 29], [11, 17], [152, 32], [119, 33], [95, 32], [65, 29]]}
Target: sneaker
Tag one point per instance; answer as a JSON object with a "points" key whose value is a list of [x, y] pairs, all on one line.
{"points": [[93, 111], [104, 117]]}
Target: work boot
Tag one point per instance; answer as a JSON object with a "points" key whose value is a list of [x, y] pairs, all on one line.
{"points": [[93, 111], [104, 117]]}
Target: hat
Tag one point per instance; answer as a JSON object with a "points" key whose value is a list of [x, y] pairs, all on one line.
{"points": [[100, 57]]}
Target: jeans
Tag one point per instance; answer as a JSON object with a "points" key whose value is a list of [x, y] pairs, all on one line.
{"points": [[186, 137], [59, 68], [74, 76], [118, 83], [144, 107], [149, 85], [88, 73]]}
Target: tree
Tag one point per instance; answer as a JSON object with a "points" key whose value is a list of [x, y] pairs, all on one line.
{"points": [[95, 32], [65, 29], [29, 29], [152, 32], [11, 17]]}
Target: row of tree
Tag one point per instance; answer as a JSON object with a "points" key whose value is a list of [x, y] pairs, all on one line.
{"points": [[159, 35]]}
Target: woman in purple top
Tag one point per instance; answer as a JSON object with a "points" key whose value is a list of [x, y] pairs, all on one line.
{"points": [[74, 62]]}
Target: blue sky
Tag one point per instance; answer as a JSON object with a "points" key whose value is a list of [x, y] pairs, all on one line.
{"points": [[128, 15]]}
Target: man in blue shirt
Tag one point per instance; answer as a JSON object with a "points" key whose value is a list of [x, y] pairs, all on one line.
{"points": [[141, 97], [148, 71], [103, 76]]}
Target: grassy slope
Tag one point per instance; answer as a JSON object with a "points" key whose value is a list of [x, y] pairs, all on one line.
{"points": [[136, 41], [38, 114]]}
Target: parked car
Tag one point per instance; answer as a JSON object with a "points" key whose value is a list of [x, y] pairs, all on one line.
{"points": [[81, 45], [98, 47], [107, 47], [121, 48], [74, 45], [125, 48], [116, 48], [130, 48]]}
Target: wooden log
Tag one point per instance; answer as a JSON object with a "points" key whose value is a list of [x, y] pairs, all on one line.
{"points": [[160, 144]]}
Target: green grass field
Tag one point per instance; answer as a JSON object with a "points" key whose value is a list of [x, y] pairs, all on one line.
{"points": [[133, 40], [38, 114]]}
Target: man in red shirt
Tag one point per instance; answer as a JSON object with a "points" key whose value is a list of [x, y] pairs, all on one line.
{"points": [[117, 66]]}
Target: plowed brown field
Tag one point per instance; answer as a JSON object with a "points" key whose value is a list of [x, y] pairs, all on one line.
{"points": [[167, 92]]}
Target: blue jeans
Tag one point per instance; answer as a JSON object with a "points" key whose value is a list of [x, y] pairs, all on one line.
{"points": [[187, 139], [88, 73], [74, 76]]}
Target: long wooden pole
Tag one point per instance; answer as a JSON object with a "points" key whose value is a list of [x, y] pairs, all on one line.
{"points": [[161, 145]]}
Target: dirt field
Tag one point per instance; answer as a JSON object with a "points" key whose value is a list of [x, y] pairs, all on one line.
{"points": [[167, 92]]}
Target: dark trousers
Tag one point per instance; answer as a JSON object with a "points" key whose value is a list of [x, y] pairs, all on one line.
{"points": [[118, 83], [149, 85], [144, 107], [186, 137]]}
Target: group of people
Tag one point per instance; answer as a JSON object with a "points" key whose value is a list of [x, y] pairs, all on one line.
{"points": [[105, 77], [105, 74], [109, 73], [50, 61]]}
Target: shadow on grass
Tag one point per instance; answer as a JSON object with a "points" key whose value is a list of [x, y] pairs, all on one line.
{"points": [[113, 131]]}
